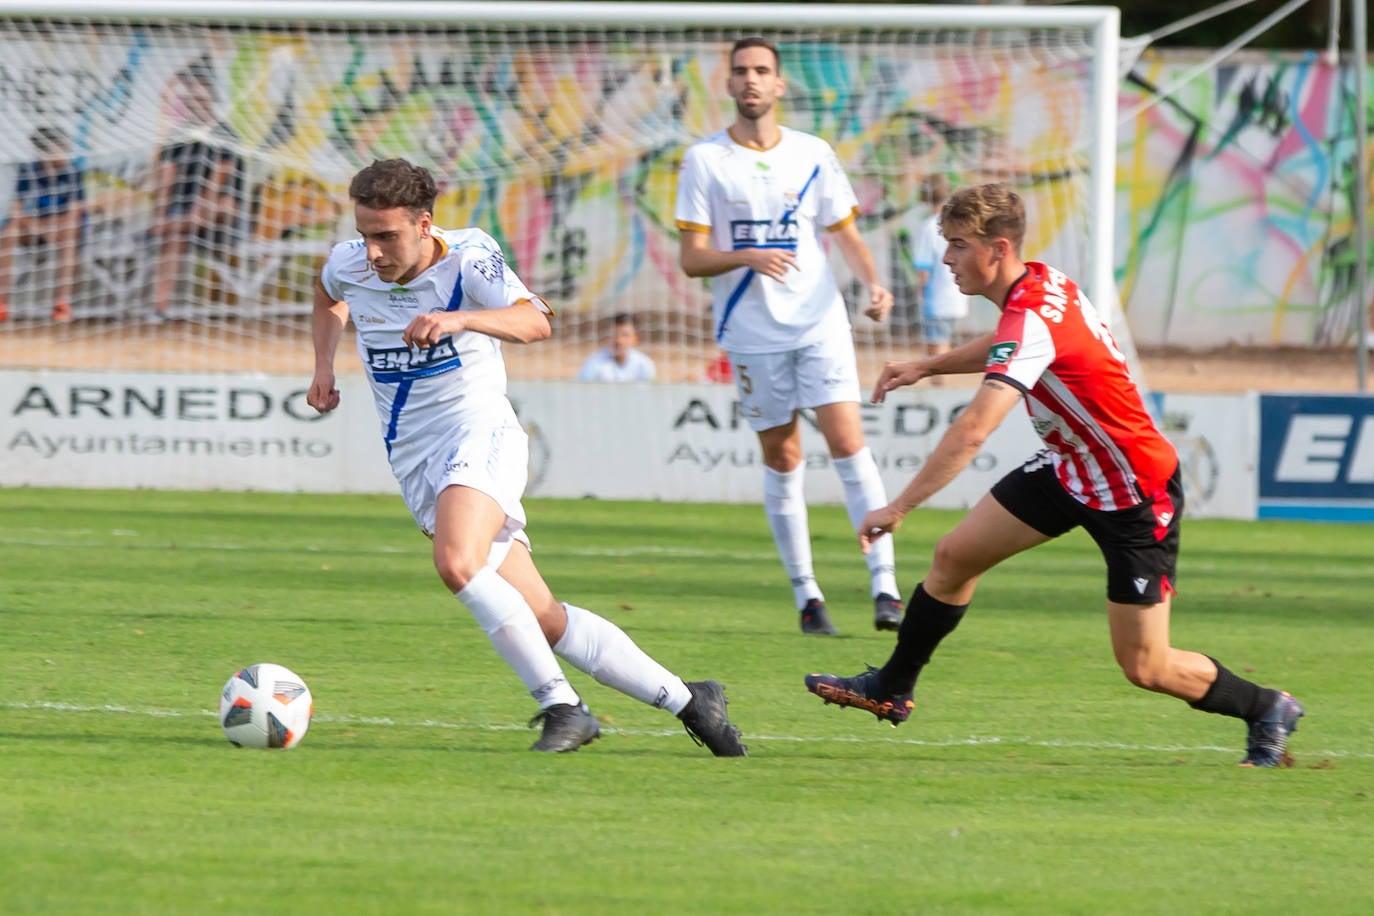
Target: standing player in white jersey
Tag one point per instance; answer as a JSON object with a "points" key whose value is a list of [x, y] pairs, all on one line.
{"points": [[1105, 467], [751, 202], [432, 307]]}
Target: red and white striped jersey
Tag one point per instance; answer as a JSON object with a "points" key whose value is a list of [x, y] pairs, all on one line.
{"points": [[1051, 344]]}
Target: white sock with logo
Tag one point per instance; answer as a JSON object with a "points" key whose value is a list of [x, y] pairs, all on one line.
{"points": [[595, 646], [864, 492], [510, 624], [784, 502]]}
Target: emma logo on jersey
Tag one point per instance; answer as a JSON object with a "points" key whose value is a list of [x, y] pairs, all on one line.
{"points": [[404, 359], [763, 233]]}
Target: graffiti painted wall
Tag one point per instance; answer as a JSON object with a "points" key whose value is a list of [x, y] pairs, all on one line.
{"points": [[1235, 218], [1233, 222]]}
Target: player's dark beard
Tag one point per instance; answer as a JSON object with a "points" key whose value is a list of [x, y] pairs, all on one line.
{"points": [[751, 116]]}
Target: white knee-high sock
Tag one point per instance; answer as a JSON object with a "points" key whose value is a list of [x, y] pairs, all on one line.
{"points": [[510, 624], [784, 502], [864, 492], [595, 646]]}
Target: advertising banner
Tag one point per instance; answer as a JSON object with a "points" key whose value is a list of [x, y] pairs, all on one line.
{"points": [[690, 443], [186, 432], [1215, 435], [675, 442], [1316, 457]]}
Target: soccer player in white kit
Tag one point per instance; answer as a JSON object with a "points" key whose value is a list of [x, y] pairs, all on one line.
{"points": [[751, 202], [432, 308]]}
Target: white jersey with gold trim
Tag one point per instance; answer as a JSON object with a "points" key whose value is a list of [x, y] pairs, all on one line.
{"points": [[782, 197], [423, 394]]}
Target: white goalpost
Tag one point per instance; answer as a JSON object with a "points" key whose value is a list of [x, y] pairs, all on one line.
{"points": [[172, 173]]}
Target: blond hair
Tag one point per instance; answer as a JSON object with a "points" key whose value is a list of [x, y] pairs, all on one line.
{"points": [[985, 212]]}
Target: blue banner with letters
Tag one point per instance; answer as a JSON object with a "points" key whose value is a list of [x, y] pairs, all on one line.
{"points": [[1316, 457]]}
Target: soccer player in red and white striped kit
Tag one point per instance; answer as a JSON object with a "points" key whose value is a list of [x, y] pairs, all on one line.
{"points": [[1105, 466]]}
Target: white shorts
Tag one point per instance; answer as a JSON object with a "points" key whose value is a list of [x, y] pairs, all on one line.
{"points": [[773, 386], [490, 459]]}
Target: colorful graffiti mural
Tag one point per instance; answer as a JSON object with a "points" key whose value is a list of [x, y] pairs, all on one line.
{"points": [[1234, 219], [1235, 213]]}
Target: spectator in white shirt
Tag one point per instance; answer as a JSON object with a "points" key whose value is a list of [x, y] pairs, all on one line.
{"points": [[619, 361]]}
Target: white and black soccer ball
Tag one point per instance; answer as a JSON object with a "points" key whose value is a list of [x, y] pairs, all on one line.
{"points": [[265, 706]]}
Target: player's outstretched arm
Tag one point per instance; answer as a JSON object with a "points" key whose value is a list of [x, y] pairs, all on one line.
{"points": [[956, 448], [898, 375], [965, 358]]}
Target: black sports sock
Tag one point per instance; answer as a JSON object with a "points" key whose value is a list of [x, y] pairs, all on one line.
{"points": [[927, 621], [1230, 695]]}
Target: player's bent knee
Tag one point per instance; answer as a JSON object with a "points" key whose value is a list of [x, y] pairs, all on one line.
{"points": [[1144, 676], [952, 564], [455, 569]]}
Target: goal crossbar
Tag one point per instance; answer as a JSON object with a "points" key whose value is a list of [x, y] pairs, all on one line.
{"points": [[718, 15]]}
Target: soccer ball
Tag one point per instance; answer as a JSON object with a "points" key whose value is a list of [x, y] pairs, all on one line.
{"points": [[265, 706]]}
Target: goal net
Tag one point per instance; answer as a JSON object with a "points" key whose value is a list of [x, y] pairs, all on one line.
{"points": [[172, 177]]}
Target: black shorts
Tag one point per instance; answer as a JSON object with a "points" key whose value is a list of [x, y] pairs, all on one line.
{"points": [[1140, 544]]}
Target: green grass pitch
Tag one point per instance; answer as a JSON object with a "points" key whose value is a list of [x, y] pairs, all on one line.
{"points": [[1031, 779]]}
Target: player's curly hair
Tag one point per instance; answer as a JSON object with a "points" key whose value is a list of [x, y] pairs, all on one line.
{"points": [[388, 183], [986, 212]]}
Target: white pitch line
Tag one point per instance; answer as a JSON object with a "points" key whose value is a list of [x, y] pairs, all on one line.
{"points": [[645, 550], [952, 741]]}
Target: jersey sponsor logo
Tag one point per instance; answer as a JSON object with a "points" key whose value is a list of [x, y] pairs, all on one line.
{"points": [[492, 267], [404, 359], [763, 233], [402, 298], [367, 319], [999, 354]]}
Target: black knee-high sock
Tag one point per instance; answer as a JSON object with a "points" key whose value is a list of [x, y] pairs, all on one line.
{"points": [[927, 621], [1230, 695]]}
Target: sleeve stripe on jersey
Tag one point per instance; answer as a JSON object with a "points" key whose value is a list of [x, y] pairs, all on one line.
{"points": [[853, 215], [1007, 380], [685, 226]]}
